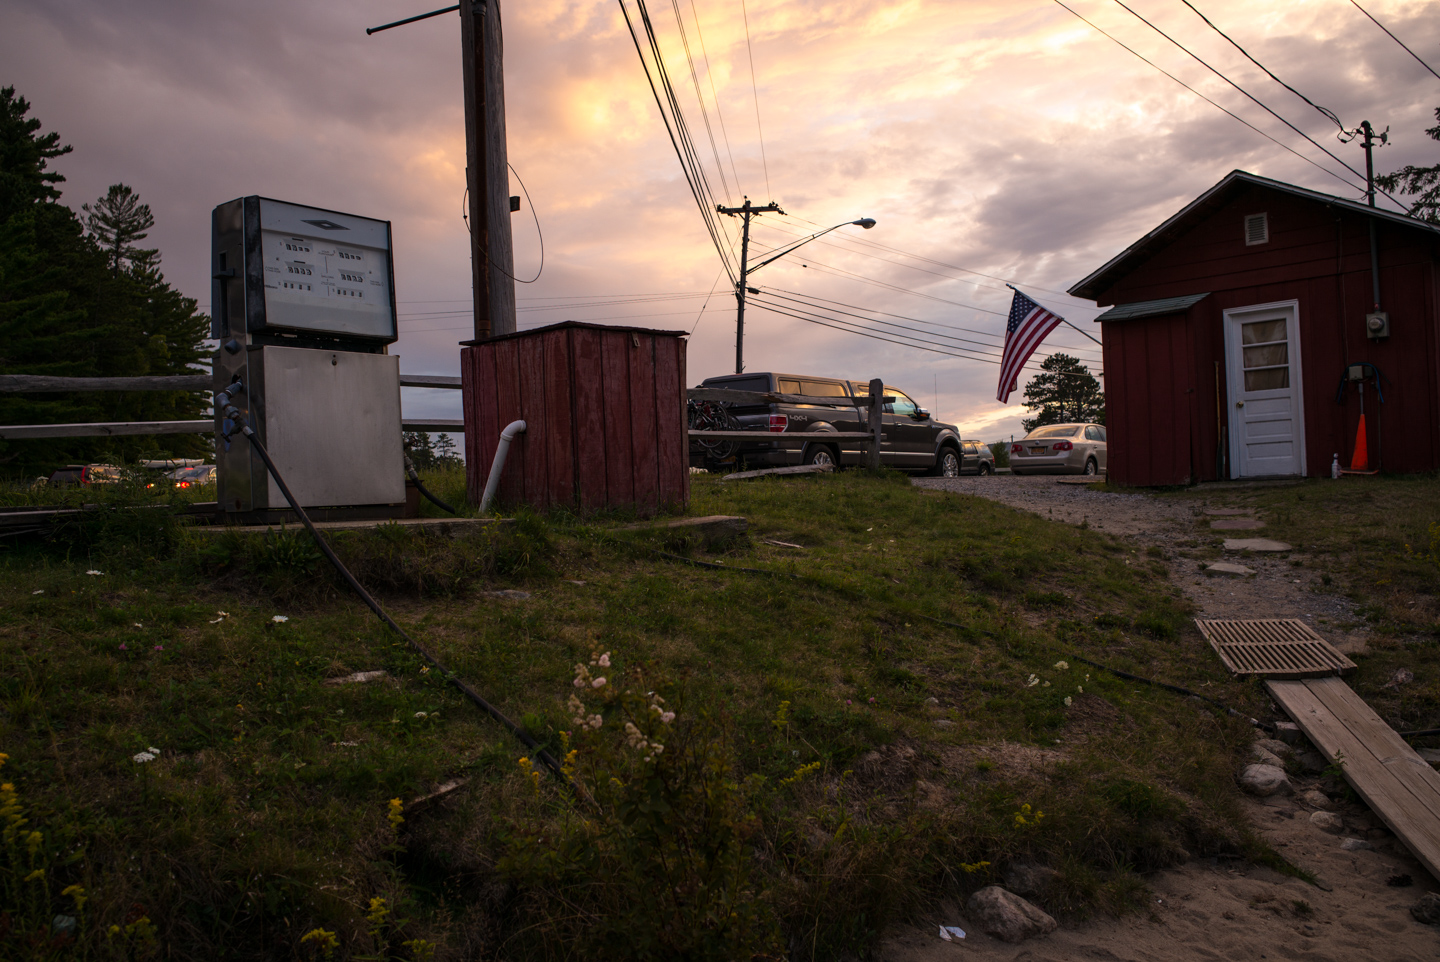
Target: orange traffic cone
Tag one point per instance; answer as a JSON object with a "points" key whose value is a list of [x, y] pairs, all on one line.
{"points": [[1360, 461]]}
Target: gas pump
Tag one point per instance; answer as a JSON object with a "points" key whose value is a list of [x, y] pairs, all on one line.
{"points": [[305, 313]]}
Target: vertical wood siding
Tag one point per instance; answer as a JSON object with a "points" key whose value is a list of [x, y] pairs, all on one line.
{"points": [[605, 417], [1319, 256]]}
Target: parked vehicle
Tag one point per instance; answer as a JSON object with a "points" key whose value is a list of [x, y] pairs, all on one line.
{"points": [[910, 440], [85, 474], [1060, 449], [191, 476], [976, 458]]}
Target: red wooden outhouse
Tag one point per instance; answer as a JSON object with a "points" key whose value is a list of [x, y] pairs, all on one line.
{"points": [[1249, 328], [604, 409]]}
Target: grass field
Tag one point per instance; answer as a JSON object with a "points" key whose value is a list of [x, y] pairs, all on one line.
{"points": [[838, 758]]}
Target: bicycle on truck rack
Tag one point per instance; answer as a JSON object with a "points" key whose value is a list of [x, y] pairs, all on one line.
{"points": [[713, 416]]}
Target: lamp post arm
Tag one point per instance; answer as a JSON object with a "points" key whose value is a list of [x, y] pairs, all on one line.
{"points": [[800, 243]]}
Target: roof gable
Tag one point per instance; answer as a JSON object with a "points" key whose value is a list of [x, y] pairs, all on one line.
{"points": [[1132, 256]]}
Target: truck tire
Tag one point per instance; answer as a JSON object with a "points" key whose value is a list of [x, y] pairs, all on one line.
{"points": [[821, 454], [947, 463]]}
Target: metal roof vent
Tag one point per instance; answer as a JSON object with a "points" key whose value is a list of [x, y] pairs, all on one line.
{"points": [[1274, 648], [1257, 229]]}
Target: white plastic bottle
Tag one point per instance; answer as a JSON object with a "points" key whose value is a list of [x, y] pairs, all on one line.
{"points": [[1335, 466]]}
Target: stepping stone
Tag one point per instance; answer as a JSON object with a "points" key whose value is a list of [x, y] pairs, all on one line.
{"points": [[1255, 544], [1237, 524], [1228, 512], [1225, 568]]}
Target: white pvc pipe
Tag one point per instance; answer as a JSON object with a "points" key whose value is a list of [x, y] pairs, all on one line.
{"points": [[498, 466]]}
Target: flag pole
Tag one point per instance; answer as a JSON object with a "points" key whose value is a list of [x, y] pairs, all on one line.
{"points": [[1062, 320]]}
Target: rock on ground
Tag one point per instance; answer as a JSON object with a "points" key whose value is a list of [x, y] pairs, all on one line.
{"points": [[1007, 916], [1025, 879], [1264, 780], [1327, 822], [1317, 799], [1427, 910]]}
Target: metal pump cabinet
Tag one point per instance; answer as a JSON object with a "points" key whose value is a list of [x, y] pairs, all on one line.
{"points": [[304, 312]]}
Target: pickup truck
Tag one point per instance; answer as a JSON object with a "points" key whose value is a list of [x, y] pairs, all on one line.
{"points": [[910, 439]]}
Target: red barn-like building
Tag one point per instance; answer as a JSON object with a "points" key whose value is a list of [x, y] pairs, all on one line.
{"points": [[1238, 324]]}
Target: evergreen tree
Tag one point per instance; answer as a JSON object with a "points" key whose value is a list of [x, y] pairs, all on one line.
{"points": [[1064, 392], [115, 222], [65, 312], [1423, 181], [445, 450], [418, 446]]}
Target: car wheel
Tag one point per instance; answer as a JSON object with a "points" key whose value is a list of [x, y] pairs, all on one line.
{"points": [[947, 464], [1091, 467], [985, 468], [821, 454]]}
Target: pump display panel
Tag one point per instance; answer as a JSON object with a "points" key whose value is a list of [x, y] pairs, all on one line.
{"points": [[325, 272]]}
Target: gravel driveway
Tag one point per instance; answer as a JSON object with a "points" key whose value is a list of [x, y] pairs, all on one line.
{"points": [[1279, 587]]}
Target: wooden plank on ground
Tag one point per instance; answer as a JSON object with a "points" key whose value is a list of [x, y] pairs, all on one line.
{"points": [[793, 469], [1386, 772]]}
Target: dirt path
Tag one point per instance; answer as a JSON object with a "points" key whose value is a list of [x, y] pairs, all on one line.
{"points": [[1219, 910]]}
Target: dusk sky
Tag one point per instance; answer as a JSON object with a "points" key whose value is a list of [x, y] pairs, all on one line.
{"points": [[1007, 139]]}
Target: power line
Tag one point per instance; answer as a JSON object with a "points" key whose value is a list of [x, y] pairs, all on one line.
{"points": [[1326, 113], [1256, 100], [1203, 97], [1399, 41], [704, 114], [714, 96], [754, 88]]}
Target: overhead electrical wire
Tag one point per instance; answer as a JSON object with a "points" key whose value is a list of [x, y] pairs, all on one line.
{"points": [[715, 96], [676, 128], [1197, 93], [1250, 96], [699, 97], [1324, 111], [1396, 39], [755, 89]]}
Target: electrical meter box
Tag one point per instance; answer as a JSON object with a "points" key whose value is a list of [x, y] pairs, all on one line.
{"points": [[304, 310]]}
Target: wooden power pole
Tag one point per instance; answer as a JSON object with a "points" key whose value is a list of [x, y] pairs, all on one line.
{"points": [[492, 259]]}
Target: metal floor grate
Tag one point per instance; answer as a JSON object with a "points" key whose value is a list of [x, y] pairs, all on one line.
{"points": [[1273, 648]]}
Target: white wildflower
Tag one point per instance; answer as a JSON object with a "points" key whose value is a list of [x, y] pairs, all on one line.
{"points": [[1062, 665], [38, 591], [138, 625], [153, 750], [657, 748], [1080, 689], [598, 682], [596, 721], [1032, 681], [1067, 701], [92, 571], [223, 614], [421, 714], [579, 682], [280, 619], [1045, 685], [143, 757], [604, 660], [667, 717]]}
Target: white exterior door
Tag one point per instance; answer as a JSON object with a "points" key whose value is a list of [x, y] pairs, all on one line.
{"points": [[1267, 431]]}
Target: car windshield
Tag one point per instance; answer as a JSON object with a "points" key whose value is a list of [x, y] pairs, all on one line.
{"points": [[1054, 431]]}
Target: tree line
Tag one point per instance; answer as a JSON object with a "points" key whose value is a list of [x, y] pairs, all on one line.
{"points": [[79, 297]]}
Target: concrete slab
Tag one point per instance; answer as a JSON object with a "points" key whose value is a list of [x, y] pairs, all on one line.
{"points": [[1237, 524], [1225, 568], [1228, 512], [1255, 544]]}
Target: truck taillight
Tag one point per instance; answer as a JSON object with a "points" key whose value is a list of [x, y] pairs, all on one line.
{"points": [[1064, 446], [778, 423], [1017, 448]]}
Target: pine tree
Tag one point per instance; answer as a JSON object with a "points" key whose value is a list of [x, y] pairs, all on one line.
{"points": [[1424, 181], [1063, 393], [65, 312], [115, 222], [445, 450]]}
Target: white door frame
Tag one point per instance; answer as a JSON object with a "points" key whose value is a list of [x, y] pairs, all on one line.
{"points": [[1235, 377]]}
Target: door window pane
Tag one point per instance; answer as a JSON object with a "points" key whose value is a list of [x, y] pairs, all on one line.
{"points": [[1267, 379], [788, 386], [824, 388], [1092, 433], [903, 405], [1267, 355], [1262, 332]]}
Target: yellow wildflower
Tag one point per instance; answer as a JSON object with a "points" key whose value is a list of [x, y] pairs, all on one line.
{"points": [[394, 817], [36, 876], [420, 949], [378, 912], [32, 843], [325, 941], [527, 768], [973, 867], [76, 892]]}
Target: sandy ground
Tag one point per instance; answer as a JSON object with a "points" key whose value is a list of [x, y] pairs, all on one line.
{"points": [[1212, 910]]}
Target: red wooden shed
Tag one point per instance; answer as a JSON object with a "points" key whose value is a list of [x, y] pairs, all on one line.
{"points": [[604, 409], [1238, 324]]}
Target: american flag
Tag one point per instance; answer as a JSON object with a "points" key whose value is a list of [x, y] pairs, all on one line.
{"points": [[1029, 325]]}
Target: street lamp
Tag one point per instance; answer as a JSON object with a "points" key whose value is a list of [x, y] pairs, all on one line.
{"points": [[746, 212]]}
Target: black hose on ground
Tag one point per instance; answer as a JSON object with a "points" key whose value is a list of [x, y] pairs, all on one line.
{"points": [[474, 696], [1166, 686], [415, 476]]}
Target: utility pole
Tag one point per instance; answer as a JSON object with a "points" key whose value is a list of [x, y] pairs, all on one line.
{"points": [[492, 260], [745, 211], [1369, 144], [487, 179]]}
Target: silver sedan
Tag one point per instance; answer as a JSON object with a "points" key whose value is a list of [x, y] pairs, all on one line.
{"points": [[1060, 449]]}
